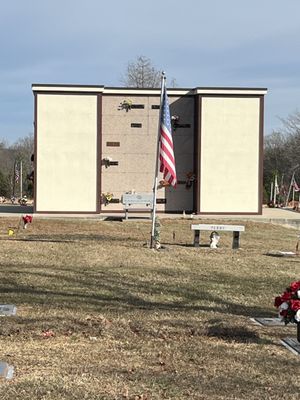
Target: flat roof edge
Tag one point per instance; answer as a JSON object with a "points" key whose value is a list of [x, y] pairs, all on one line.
{"points": [[231, 90], [37, 87], [42, 87]]}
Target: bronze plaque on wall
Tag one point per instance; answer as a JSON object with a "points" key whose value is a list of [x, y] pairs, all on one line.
{"points": [[113, 144]]}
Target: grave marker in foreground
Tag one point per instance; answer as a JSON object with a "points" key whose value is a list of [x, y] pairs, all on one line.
{"points": [[6, 371], [291, 344], [268, 321], [7, 310]]}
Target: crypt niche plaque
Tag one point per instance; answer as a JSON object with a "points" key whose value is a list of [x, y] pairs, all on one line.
{"points": [[136, 125]]}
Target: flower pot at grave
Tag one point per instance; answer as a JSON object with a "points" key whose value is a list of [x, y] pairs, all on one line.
{"points": [[298, 332]]}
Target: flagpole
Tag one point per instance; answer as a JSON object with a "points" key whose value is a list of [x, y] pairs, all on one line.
{"points": [[21, 183], [152, 241], [271, 193], [275, 184], [14, 178]]}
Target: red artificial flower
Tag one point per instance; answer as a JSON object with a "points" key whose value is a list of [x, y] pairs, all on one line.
{"points": [[295, 305], [286, 296], [295, 286], [288, 303], [283, 313], [27, 218], [277, 301]]}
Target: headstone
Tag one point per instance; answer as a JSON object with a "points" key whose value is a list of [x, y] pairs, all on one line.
{"points": [[292, 344], [281, 254], [268, 321], [6, 371], [7, 310]]}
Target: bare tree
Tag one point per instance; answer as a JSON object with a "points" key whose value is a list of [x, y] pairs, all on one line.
{"points": [[24, 147], [23, 150], [291, 124], [10, 157], [7, 158], [282, 152], [275, 154], [142, 74]]}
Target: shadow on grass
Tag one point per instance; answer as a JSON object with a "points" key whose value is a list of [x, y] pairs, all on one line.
{"points": [[201, 245], [70, 238], [113, 219], [31, 239], [123, 291], [233, 334]]}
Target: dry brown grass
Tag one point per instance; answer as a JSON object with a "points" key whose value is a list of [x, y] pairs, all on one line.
{"points": [[134, 323]]}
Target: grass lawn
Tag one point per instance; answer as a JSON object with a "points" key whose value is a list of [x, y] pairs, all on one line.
{"points": [[127, 322]]}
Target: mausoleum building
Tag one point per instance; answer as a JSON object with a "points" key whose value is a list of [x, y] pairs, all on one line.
{"points": [[95, 143]]}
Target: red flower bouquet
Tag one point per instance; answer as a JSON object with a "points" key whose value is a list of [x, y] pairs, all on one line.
{"points": [[27, 219], [288, 303]]}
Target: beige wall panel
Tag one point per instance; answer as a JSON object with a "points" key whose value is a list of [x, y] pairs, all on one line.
{"points": [[130, 161], [126, 181], [229, 155], [66, 153], [153, 123], [137, 151], [114, 125], [138, 168], [118, 125], [140, 163], [129, 143], [111, 105], [154, 100]]}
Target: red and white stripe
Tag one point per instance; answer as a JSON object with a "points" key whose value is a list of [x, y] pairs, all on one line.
{"points": [[166, 156]]}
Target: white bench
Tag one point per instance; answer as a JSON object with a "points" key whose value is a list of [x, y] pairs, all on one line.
{"points": [[236, 229], [132, 200]]}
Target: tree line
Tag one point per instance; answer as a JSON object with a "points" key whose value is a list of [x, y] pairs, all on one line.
{"points": [[282, 155], [11, 157]]}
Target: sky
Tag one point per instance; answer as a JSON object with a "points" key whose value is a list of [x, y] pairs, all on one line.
{"points": [[232, 43]]}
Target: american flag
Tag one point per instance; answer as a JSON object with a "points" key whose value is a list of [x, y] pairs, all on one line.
{"points": [[295, 185], [17, 174], [166, 151]]}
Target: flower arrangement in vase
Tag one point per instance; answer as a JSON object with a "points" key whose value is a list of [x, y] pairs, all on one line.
{"points": [[126, 105], [27, 219], [288, 305]]}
